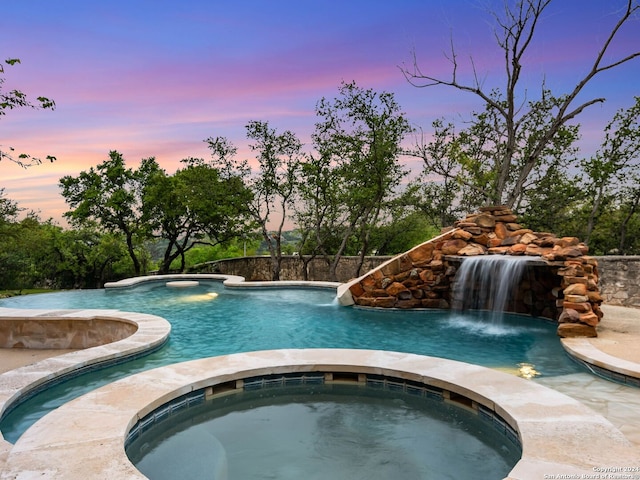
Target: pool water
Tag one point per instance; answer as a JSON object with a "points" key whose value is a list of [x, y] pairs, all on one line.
{"points": [[319, 432], [241, 320]]}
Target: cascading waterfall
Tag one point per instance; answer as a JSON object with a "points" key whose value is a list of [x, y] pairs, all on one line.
{"points": [[487, 282]]}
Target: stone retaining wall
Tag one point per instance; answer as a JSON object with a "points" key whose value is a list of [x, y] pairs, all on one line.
{"points": [[619, 275], [259, 268], [620, 280]]}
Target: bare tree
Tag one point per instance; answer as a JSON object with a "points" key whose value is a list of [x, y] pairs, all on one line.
{"points": [[517, 151]]}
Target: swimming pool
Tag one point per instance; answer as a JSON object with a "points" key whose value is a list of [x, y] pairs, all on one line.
{"points": [[240, 320]]}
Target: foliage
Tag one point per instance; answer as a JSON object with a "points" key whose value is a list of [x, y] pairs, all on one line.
{"points": [[209, 253], [354, 174], [110, 196], [551, 204], [272, 186], [13, 99], [8, 209], [195, 205], [406, 229], [37, 253], [613, 173]]}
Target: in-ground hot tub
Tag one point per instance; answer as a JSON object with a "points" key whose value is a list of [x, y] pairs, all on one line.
{"points": [[318, 425]]}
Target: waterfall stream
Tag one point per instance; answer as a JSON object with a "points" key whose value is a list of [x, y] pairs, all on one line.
{"points": [[488, 282]]}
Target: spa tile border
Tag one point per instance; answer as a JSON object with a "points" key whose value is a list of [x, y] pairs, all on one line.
{"points": [[369, 381], [558, 434]]}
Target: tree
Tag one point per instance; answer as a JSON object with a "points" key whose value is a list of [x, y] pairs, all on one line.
{"points": [[440, 199], [614, 169], [630, 221], [8, 209], [551, 205], [87, 258], [166, 215], [317, 208], [111, 196], [357, 139], [196, 205], [359, 133], [18, 99], [272, 186], [404, 229], [515, 136]]}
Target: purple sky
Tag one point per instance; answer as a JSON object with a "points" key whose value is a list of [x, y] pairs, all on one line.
{"points": [[156, 77]]}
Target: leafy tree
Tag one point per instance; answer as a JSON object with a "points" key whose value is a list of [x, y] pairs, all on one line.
{"points": [[551, 205], [272, 186], [15, 265], [357, 172], [194, 206], [317, 207], [110, 196], [439, 199], [218, 200], [87, 258], [166, 216], [8, 209], [404, 229], [515, 137], [629, 226], [613, 173], [201, 254], [12, 99]]}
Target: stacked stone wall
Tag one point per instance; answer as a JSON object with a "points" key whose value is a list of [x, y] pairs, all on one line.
{"points": [[620, 280], [423, 276], [259, 268]]}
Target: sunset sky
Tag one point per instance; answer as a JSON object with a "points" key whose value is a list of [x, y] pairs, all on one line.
{"points": [[156, 77]]}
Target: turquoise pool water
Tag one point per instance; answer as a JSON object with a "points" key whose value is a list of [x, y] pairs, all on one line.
{"points": [[240, 320]]}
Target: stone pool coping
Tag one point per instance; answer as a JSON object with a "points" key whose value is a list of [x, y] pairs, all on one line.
{"points": [[614, 353], [15, 385], [85, 438], [229, 281], [601, 363]]}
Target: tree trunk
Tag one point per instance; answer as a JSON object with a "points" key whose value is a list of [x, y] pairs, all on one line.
{"points": [[623, 227], [132, 254], [592, 215]]}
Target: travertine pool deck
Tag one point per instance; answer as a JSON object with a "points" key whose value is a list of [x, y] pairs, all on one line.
{"points": [[151, 333], [617, 346], [85, 437], [560, 435]]}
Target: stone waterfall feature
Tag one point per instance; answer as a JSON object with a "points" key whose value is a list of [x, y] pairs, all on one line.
{"points": [[561, 285]]}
